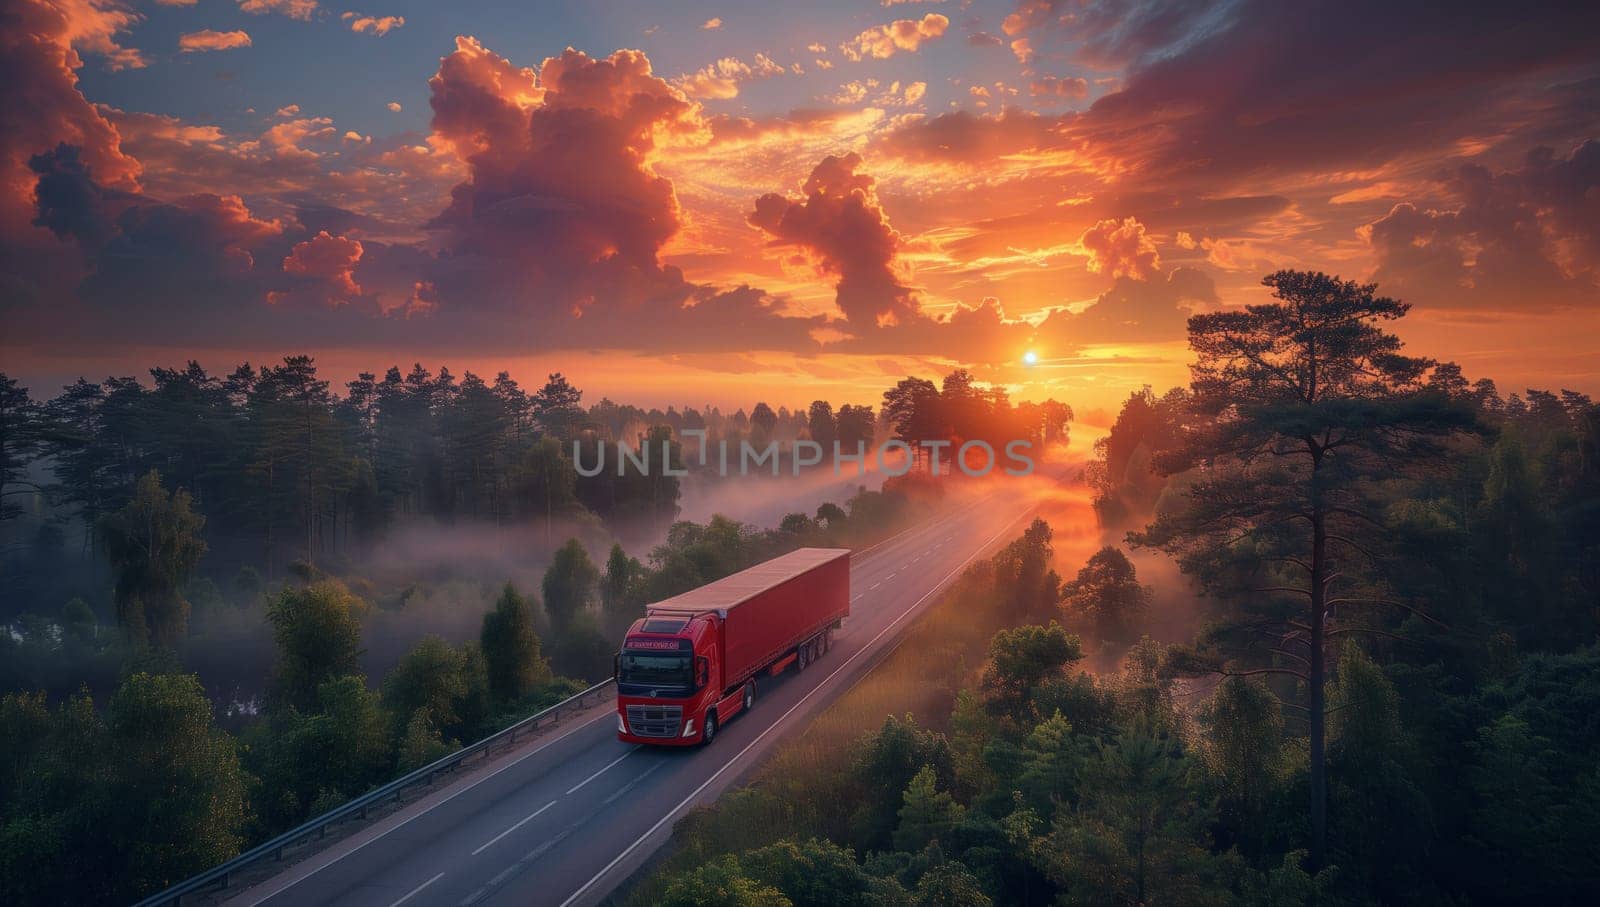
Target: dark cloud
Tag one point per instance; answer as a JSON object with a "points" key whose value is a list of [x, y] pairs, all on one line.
{"points": [[189, 265], [1526, 239], [1261, 89], [840, 225]]}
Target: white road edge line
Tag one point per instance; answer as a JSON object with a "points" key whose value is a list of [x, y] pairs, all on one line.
{"points": [[609, 766], [496, 839], [417, 890], [782, 718]]}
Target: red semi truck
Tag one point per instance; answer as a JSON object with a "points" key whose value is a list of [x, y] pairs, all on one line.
{"points": [[691, 662]]}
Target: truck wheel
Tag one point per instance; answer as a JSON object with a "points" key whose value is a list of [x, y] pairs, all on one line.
{"points": [[710, 730], [749, 696], [816, 648], [800, 658]]}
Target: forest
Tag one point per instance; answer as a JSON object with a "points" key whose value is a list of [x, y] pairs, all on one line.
{"points": [[1391, 698], [217, 620]]}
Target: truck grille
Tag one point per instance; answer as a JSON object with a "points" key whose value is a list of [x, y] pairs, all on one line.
{"points": [[655, 720]]}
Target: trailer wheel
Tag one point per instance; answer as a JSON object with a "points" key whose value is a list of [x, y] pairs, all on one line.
{"points": [[827, 641], [710, 730], [800, 657], [816, 648], [749, 696]]}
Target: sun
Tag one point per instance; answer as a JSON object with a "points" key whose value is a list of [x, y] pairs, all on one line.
{"points": [[1030, 358]]}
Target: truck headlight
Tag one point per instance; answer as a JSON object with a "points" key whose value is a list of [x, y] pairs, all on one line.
{"points": [[622, 724], [688, 728]]}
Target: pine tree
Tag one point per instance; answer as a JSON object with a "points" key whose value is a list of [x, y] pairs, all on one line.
{"points": [[1300, 400], [926, 813]]}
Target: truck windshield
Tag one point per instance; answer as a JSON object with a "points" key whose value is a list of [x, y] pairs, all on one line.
{"points": [[657, 670]]}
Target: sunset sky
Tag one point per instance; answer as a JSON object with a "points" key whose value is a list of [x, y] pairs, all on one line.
{"points": [[718, 202]]}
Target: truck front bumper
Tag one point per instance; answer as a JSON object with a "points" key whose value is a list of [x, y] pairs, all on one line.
{"points": [[693, 736]]}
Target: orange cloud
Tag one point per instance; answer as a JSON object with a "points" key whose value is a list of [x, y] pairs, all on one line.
{"points": [[93, 26], [882, 41], [208, 40], [294, 9], [1120, 248], [329, 258], [721, 80], [374, 25]]}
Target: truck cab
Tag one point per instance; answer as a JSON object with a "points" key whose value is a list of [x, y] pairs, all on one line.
{"points": [[669, 679]]}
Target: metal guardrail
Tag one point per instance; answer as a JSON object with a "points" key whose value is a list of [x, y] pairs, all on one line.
{"points": [[219, 876]]}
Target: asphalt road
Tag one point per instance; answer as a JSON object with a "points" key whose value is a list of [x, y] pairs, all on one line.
{"points": [[566, 821]]}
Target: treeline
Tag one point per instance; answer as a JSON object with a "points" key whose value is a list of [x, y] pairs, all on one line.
{"points": [[108, 805], [284, 469], [1391, 700]]}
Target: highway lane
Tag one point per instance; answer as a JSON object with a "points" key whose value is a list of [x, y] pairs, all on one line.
{"points": [[565, 822]]}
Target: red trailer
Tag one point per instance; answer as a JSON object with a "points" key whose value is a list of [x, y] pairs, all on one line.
{"points": [[692, 661]]}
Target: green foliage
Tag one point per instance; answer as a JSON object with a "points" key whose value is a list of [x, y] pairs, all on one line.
{"points": [[950, 885], [1138, 833], [1107, 598], [1023, 576], [1022, 659], [147, 794], [1290, 883], [582, 649], [1124, 478], [818, 873], [926, 813], [447, 686], [154, 544], [720, 883], [883, 766], [317, 629], [1241, 743], [1382, 820], [421, 742], [621, 591], [570, 583], [511, 649], [327, 756], [1532, 783]]}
